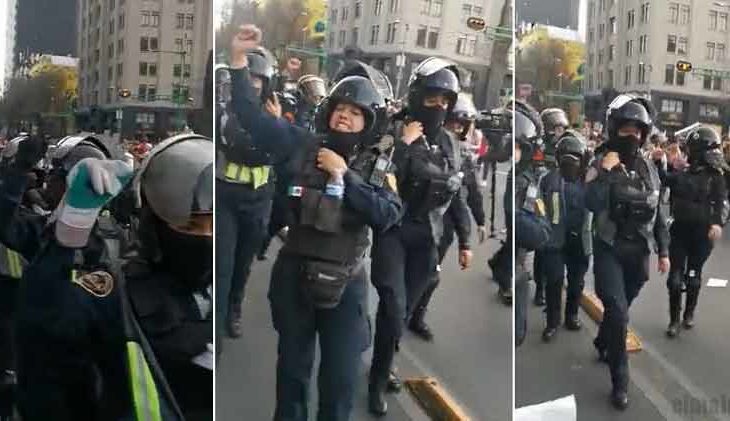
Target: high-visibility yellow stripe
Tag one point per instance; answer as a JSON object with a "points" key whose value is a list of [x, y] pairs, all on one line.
{"points": [[144, 392], [556, 208], [260, 176], [232, 171], [10, 263], [16, 269], [245, 175]]}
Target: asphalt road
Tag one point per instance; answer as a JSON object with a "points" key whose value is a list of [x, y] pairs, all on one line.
{"points": [[686, 378], [471, 355]]}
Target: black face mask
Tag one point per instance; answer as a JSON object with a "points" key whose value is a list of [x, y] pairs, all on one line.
{"points": [[345, 144], [432, 118], [570, 168], [189, 258], [627, 147]]}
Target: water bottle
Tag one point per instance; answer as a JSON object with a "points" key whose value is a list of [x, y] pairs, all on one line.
{"points": [[335, 187]]}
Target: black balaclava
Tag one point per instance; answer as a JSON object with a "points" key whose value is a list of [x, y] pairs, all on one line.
{"points": [[627, 147], [345, 144], [432, 118], [570, 167], [189, 258]]}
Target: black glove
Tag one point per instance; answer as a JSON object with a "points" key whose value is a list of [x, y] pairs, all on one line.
{"points": [[30, 151]]}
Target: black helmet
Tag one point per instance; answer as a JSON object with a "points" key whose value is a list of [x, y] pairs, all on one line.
{"points": [[379, 79], [528, 130], [361, 92], [464, 110], [629, 109], [260, 65], [288, 103], [222, 83], [699, 142], [552, 118], [433, 75], [570, 145]]}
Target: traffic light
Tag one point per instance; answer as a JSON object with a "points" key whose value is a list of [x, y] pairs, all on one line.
{"points": [[124, 93], [476, 23], [684, 66]]}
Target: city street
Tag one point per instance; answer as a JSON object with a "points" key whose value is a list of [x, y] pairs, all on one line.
{"points": [[665, 376], [471, 355]]}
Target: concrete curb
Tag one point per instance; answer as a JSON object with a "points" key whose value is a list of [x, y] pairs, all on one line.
{"points": [[594, 308]]}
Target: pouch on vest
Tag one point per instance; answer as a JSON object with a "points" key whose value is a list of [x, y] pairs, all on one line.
{"points": [[329, 214], [324, 282], [310, 207]]}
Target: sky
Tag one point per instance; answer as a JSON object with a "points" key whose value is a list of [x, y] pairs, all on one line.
{"points": [[217, 9]]}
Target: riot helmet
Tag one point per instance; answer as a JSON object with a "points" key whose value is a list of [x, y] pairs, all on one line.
{"points": [[311, 89], [627, 114], [261, 66], [379, 79], [571, 156], [528, 131], [700, 145], [555, 122], [463, 115], [362, 93], [433, 77], [289, 103], [222, 84], [174, 189]]}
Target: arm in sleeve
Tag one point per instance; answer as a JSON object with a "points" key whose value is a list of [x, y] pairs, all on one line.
{"points": [[661, 232], [597, 191], [19, 232], [719, 198], [475, 199], [462, 220], [381, 207], [279, 135]]}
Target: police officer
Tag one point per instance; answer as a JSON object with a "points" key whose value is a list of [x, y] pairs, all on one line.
{"points": [[623, 194], [699, 208], [404, 259], [310, 89], [563, 192], [328, 241], [244, 174], [170, 282], [527, 206], [460, 122]]}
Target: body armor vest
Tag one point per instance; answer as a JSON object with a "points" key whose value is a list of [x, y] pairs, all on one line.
{"points": [[692, 200], [240, 160]]}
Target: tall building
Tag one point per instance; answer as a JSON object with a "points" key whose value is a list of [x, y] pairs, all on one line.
{"points": [[43, 27], [382, 30], [634, 46], [154, 51], [560, 13]]}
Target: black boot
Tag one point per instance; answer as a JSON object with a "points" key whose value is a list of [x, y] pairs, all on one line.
{"points": [[619, 399], [693, 294], [549, 333], [572, 322], [377, 404], [394, 383], [675, 306], [505, 295], [421, 329], [602, 351], [234, 324], [539, 299]]}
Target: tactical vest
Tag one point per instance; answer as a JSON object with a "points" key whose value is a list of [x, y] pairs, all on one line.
{"points": [[434, 180], [239, 160], [632, 207], [692, 200], [555, 206], [326, 229]]}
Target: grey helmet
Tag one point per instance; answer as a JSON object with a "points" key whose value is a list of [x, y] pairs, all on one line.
{"points": [[176, 178], [72, 149]]}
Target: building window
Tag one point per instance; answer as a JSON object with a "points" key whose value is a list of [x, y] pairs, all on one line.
{"points": [[110, 73], [590, 59], [717, 83], [358, 9], [707, 82], [421, 35], [111, 27], [642, 74], [343, 38], [189, 22], [612, 25], [673, 12], [374, 34], [378, 8], [179, 44], [609, 82], [425, 6], [672, 44], [345, 12], [710, 51], [682, 46], [590, 82], [143, 69], [630, 19], [590, 36], [611, 52], [679, 78], [669, 74], [332, 40], [394, 5], [120, 23], [355, 36], [723, 22], [713, 20], [145, 19], [684, 17], [627, 76], [152, 69], [643, 42], [600, 80], [154, 46], [629, 48], [465, 45], [142, 93], [144, 44], [644, 13], [145, 119], [600, 57], [110, 50], [672, 106], [333, 16], [465, 12], [180, 20], [392, 31], [433, 38], [720, 52], [151, 93], [478, 11], [601, 30], [436, 7], [709, 110], [120, 68], [155, 19]]}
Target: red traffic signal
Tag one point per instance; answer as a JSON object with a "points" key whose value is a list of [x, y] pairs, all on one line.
{"points": [[124, 93], [476, 23], [684, 66]]}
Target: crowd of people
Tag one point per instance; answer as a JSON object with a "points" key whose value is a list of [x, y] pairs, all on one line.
{"points": [[336, 168], [615, 198]]}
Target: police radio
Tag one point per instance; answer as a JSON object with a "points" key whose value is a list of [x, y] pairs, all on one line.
{"points": [[383, 163]]}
